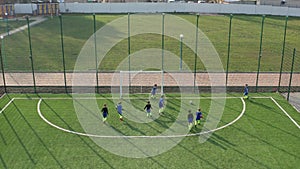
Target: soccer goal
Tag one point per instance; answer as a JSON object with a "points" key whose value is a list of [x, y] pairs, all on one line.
{"points": [[140, 82]]}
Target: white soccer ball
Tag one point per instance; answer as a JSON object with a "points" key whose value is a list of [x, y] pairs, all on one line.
{"points": [[191, 102]]}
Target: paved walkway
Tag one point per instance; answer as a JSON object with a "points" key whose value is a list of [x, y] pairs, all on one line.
{"points": [[37, 20], [148, 79]]}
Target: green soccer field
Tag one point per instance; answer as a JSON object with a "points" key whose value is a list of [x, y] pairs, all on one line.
{"points": [[46, 131]]}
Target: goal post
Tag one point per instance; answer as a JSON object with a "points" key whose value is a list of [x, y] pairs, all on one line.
{"points": [[140, 82]]}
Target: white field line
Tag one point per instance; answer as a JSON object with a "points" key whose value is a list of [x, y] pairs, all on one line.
{"points": [[137, 98], [285, 112], [6, 105], [2, 96], [123, 136]]}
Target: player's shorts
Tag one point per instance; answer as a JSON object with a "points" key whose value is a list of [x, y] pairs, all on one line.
{"points": [[105, 115], [148, 110], [190, 120]]}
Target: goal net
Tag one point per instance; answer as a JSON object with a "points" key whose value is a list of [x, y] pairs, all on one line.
{"points": [[140, 82]]}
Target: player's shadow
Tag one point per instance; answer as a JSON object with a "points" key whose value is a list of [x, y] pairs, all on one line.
{"points": [[132, 128], [198, 156], [219, 141], [80, 137]]}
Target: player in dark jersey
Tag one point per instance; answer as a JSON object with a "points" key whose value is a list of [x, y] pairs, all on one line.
{"points": [[148, 109], [198, 117], [104, 111]]}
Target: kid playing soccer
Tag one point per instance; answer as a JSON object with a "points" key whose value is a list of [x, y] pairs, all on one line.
{"points": [[119, 110], [190, 119], [153, 91], [246, 91], [104, 113], [161, 105], [148, 109], [198, 117]]}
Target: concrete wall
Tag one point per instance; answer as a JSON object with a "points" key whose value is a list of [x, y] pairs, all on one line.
{"points": [[165, 7], [25, 8], [290, 3]]}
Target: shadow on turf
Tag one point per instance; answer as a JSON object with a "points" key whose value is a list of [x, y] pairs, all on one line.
{"points": [[3, 162], [80, 137], [270, 125], [39, 138], [266, 142], [18, 137], [149, 157], [220, 141]]}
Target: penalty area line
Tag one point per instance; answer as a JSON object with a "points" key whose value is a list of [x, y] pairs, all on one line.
{"points": [[285, 112], [7, 105], [157, 136], [2, 96]]}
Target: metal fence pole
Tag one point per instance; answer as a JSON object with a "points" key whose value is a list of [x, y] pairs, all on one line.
{"points": [[2, 68], [30, 54], [228, 50], [282, 53], [260, 50], [162, 51], [180, 51], [129, 50], [196, 52], [96, 56], [291, 74], [63, 51], [3, 51]]}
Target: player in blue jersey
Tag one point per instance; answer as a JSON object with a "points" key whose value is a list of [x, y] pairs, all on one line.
{"points": [[246, 91], [190, 119], [161, 105], [198, 117], [119, 110], [148, 109], [153, 91], [104, 111]]}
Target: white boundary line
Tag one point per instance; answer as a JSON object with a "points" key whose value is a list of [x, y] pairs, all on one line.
{"points": [[159, 136], [285, 112], [6, 105], [2, 96]]}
